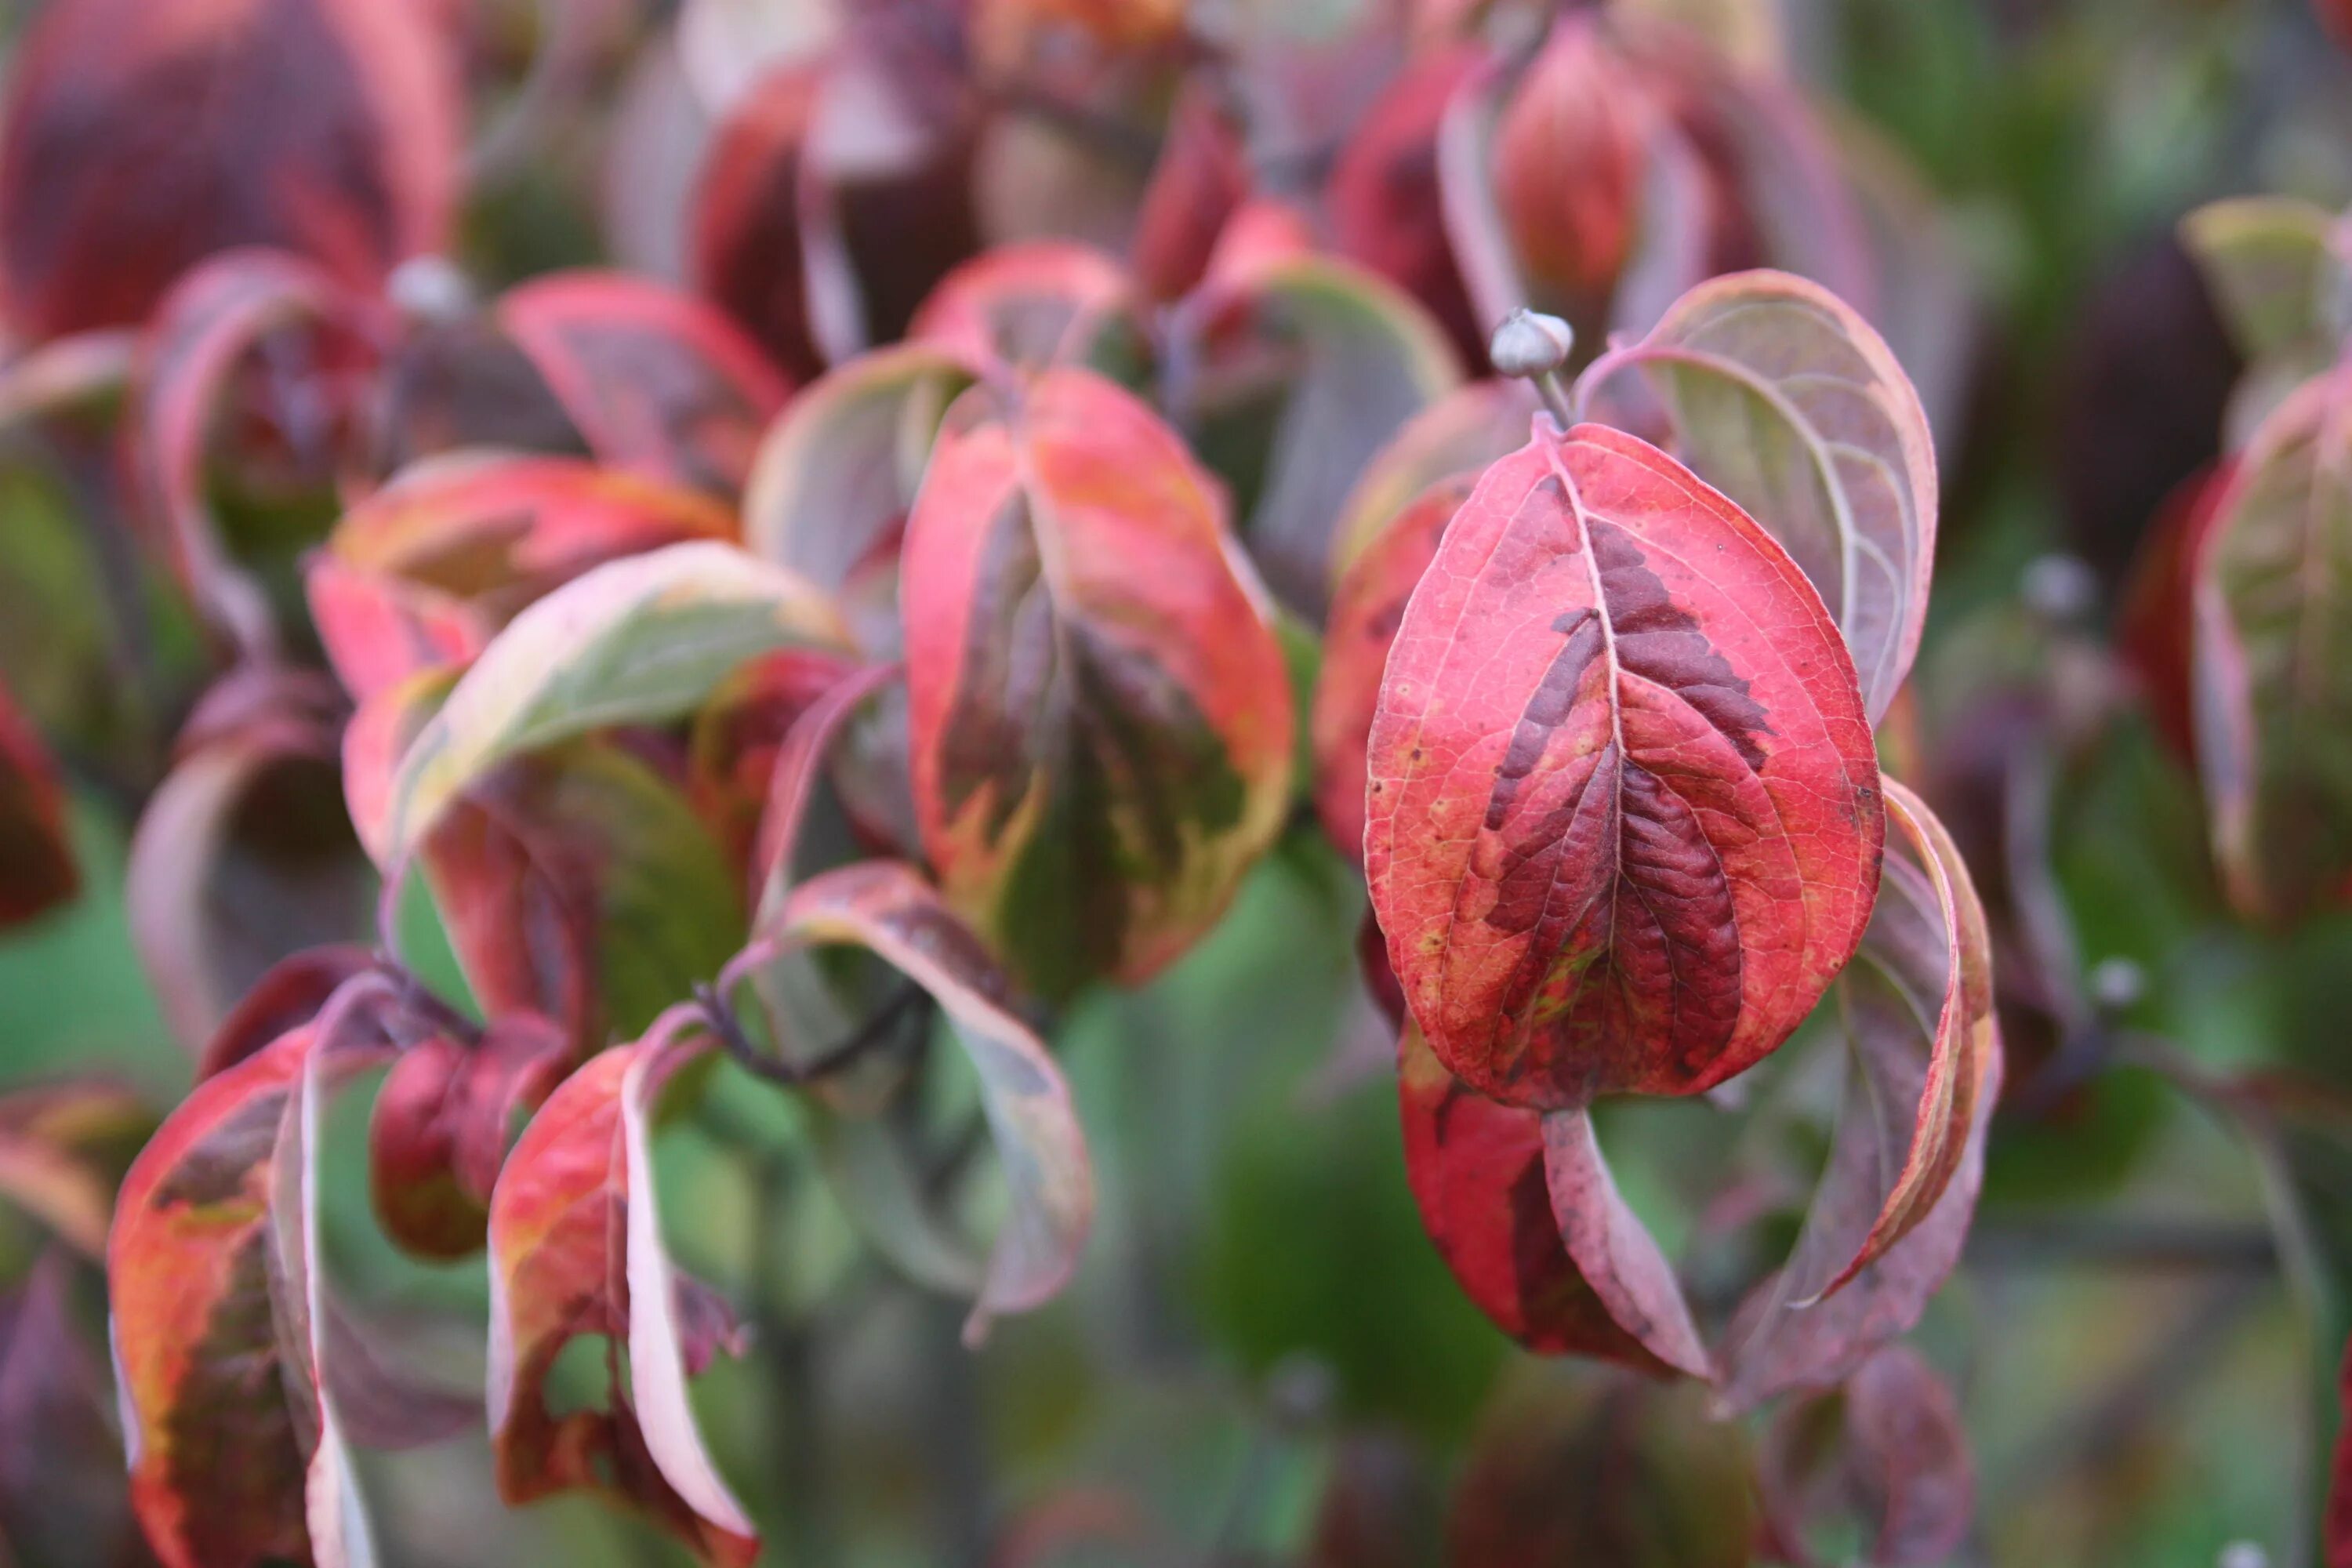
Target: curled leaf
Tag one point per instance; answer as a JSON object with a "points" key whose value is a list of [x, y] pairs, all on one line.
{"points": [[326, 128], [1623, 803], [1477, 1173], [658, 381], [1100, 714], [886, 907], [1885, 1453], [1790, 403]]}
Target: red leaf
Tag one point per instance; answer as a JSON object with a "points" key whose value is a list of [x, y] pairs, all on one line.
{"points": [[1046, 302], [1886, 1452], [37, 860], [1623, 804], [1090, 810], [575, 1238], [655, 380], [288, 996], [731, 756], [1202, 177], [1386, 210], [421, 574], [1612, 1249], [439, 1133], [1478, 1171], [1568, 166], [142, 140]]}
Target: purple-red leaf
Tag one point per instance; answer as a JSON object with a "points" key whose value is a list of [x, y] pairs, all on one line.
{"points": [[37, 861], [1478, 1171], [1623, 808], [1886, 1453], [1612, 1249], [441, 1122], [1101, 715], [139, 141]]}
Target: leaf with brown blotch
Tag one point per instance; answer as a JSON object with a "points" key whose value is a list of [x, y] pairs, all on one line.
{"points": [[209, 325], [243, 856], [237, 1456], [1367, 607], [38, 869], [327, 128], [1624, 807], [1602, 1467], [1790, 403], [574, 1240], [2272, 659], [632, 641], [2272, 265], [63, 1146], [655, 380], [1100, 713], [1477, 1173], [1887, 1223], [425, 571], [438, 1133], [1201, 179], [887, 909], [1884, 1454], [1461, 432], [1040, 303], [1568, 167], [1310, 366]]}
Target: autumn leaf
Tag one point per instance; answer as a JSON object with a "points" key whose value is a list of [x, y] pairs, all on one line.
{"points": [[438, 1135], [1200, 178], [37, 870], [1101, 716], [1046, 302], [330, 128], [1884, 1455], [1567, 166], [1624, 806], [63, 1146]]}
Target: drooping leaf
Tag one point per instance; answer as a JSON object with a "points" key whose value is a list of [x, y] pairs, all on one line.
{"points": [[658, 381], [1044, 302], [1624, 804], [1610, 1247], [37, 870], [1344, 359], [2271, 267], [1791, 404], [424, 572], [1478, 1171], [1604, 1468], [1884, 1456], [887, 909], [1886, 1224], [632, 641], [1367, 607], [1101, 716], [439, 1131], [243, 857], [574, 1240], [2271, 657], [135, 149]]}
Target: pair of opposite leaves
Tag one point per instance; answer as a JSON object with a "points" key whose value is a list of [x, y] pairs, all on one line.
{"points": [[1624, 823]]}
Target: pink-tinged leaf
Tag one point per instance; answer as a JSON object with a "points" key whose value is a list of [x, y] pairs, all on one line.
{"points": [[236, 1455], [37, 860], [2156, 615], [1345, 359], [243, 856], [1568, 167], [632, 641], [2272, 659], [440, 1126], [573, 1234], [658, 381], [1884, 1455], [1461, 432], [64, 1499], [1367, 607], [2269, 263], [1044, 302], [1792, 406], [63, 1149], [1606, 1469], [1202, 178], [887, 909], [1388, 211], [1624, 807], [211, 324], [1101, 715], [1612, 1249], [798, 762], [1886, 1224], [1478, 1171], [139, 143], [424, 572]]}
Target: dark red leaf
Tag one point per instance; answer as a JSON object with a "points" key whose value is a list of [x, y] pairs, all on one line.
{"points": [[440, 1127], [36, 859], [1885, 1453], [1202, 177], [1568, 167], [1624, 806], [1386, 208]]}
